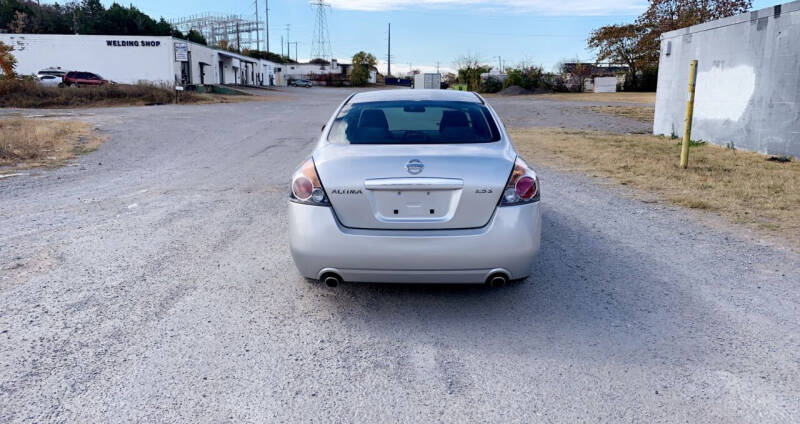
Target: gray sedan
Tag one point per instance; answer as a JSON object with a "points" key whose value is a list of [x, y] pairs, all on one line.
{"points": [[412, 186]]}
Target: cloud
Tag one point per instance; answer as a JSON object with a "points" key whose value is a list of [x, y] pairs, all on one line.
{"points": [[545, 7]]}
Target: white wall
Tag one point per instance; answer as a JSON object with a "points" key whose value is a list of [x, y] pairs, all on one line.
{"points": [[748, 83], [122, 61]]}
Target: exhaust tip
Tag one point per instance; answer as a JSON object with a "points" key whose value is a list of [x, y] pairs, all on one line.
{"points": [[497, 280], [331, 280]]}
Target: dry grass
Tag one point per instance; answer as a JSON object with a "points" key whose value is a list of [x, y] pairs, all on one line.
{"points": [[229, 98], [621, 97], [26, 142], [744, 187], [29, 94], [639, 113]]}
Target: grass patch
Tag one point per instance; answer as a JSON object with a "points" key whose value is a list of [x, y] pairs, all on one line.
{"points": [[29, 94], [638, 113], [744, 187], [620, 97], [26, 142]]}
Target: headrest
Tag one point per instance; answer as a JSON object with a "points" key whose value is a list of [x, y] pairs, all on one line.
{"points": [[373, 118], [453, 118]]}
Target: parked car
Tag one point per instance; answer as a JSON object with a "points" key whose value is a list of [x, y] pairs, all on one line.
{"points": [[413, 186], [301, 83], [79, 78], [52, 71], [49, 80]]}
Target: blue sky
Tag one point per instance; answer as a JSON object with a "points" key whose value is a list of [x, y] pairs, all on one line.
{"points": [[425, 32]]}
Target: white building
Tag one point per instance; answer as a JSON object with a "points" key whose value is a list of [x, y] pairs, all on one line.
{"points": [[131, 59], [312, 71]]}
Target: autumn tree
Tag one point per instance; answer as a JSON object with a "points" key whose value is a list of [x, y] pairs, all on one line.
{"points": [[621, 44], [363, 63], [20, 23], [668, 15], [637, 45], [7, 61]]}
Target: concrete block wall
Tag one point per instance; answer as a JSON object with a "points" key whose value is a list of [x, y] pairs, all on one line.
{"points": [[748, 81]]}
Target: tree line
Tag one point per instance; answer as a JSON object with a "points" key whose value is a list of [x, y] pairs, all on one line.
{"points": [[84, 17]]}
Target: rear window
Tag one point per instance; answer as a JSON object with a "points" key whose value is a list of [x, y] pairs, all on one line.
{"points": [[414, 122]]}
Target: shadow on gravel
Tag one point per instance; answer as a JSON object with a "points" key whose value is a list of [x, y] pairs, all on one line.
{"points": [[588, 294]]}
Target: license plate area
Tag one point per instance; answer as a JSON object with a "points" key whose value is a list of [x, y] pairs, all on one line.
{"points": [[415, 205]]}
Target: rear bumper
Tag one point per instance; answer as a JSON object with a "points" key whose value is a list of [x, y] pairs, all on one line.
{"points": [[507, 244]]}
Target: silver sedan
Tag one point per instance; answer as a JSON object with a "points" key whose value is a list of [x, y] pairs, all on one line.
{"points": [[414, 186]]}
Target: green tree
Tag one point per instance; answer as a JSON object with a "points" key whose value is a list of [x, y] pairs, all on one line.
{"points": [[84, 17], [470, 71], [7, 61], [363, 63], [527, 77]]}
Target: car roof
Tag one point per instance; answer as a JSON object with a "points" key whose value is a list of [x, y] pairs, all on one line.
{"points": [[415, 95]]}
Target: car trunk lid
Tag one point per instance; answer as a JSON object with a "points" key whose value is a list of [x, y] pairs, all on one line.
{"points": [[412, 187]]}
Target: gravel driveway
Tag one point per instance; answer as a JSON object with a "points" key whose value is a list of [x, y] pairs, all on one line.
{"points": [[152, 282]]}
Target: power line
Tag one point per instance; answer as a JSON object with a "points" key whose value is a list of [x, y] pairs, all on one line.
{"points": [[266, 17], [258, 30], [321, 42], [389, 53]]}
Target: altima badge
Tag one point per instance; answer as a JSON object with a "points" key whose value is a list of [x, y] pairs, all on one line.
{"points": [[415, 166]]}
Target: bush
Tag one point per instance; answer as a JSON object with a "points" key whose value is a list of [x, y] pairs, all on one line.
{"points": [[529, 78], [554, 82], [29, 94], [491, 85]]}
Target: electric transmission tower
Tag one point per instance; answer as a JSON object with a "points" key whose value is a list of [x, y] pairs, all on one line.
{"points": [[321, 43]]}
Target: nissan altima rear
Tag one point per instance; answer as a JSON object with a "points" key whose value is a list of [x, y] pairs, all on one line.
{"points": [[414, 186]]}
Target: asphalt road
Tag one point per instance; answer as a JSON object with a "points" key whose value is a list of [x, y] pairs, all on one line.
{"points": [[152, 282]]}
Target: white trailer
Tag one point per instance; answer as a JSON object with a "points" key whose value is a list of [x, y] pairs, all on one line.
{"points": [[605, 84], [428, 81]]}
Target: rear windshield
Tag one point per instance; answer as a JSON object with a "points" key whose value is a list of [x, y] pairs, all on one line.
{"points": [[414, 122]]}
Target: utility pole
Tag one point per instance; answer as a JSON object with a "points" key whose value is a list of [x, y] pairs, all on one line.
{"points": [[238, 38], [258, 31], [437, 67], [389, 56], [266, 31], [295, 50], [288, 48]]}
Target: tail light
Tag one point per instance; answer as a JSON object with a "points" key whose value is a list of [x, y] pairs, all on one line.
{"points": [[522, 187], [307, 187]]}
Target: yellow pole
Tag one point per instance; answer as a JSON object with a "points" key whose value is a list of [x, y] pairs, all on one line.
{"points": [[687, 121]]}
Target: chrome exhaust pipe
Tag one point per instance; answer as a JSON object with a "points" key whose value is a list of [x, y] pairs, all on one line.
{"points": [[331, 280], [497, 280]]}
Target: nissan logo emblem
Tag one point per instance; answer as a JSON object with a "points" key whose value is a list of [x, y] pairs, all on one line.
{"points": [[415, 166]]}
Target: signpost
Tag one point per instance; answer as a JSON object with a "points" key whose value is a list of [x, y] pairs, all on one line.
{"points": [[178, 89]]}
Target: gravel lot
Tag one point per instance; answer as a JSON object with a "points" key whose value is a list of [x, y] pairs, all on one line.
{"points": [[152, 282]]}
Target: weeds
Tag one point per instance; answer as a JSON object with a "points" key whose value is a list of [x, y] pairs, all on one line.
{"points": [[29, 94]]}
